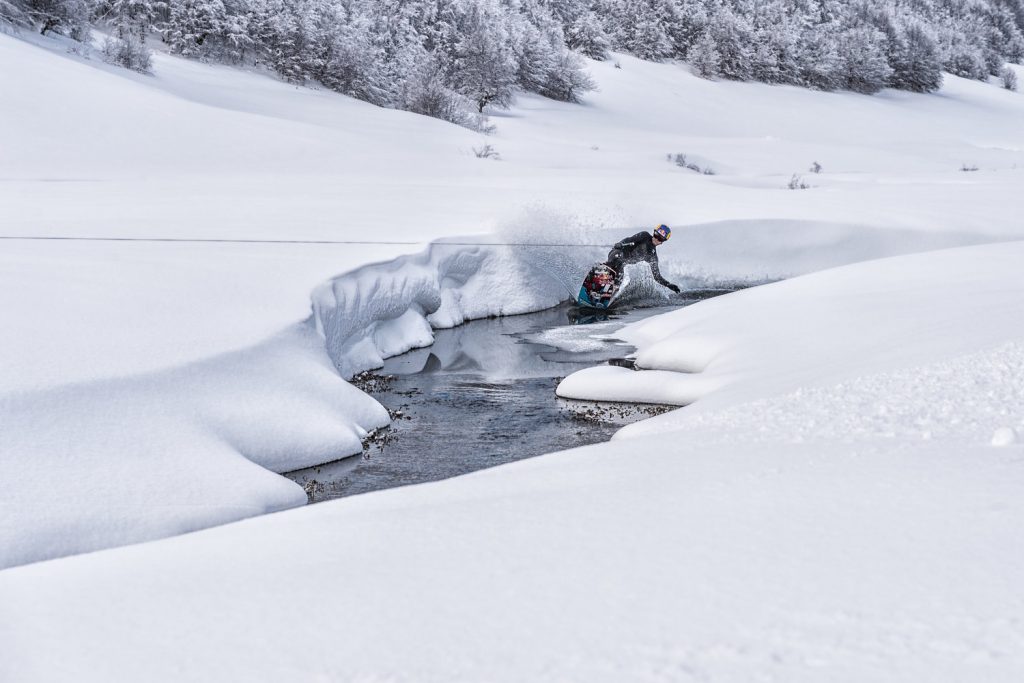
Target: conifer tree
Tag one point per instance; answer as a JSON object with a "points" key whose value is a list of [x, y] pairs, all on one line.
{"points": [[865, 68], [586, 35], [195, 26], [914, 58], [704, 57]]}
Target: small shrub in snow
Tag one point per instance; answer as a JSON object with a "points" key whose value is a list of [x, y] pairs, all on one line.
{"points": [[486, 152], [681, 161], [1009, 78], [968, 168], [797, 183], [128, 52], [815, 167]]}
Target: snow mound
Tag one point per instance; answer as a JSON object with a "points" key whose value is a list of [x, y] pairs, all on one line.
{"points": [[106, 463], [823, 328], [962, 402]]}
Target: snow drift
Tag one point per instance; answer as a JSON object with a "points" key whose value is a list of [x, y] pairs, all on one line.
{"points": [[105, 463]]}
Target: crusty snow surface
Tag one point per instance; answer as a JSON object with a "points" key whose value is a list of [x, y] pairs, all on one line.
{"points": [[841, 501]]}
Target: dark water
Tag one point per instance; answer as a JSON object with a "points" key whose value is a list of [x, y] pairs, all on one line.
{"points": [[484, 394]]}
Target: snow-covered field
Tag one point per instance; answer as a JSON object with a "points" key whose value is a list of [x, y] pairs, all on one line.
{"points": [[832, 507], [862, 529]]}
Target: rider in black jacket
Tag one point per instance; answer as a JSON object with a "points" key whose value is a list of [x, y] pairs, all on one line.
{"points": [[641, 247]]}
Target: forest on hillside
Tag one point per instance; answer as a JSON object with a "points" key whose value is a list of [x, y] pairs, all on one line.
{"points": [[456, 59]]}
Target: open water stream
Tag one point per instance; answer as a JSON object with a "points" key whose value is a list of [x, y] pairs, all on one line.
{"points": [[482, 395]]}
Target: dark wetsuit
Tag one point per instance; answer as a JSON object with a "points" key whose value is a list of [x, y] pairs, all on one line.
{"points": [[639, 247]]}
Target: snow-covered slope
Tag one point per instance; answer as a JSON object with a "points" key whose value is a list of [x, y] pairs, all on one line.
{"points": [[213, 152], [813, 535], [164, 343]]}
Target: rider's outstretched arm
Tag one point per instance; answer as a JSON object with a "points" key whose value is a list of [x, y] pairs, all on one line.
{"points": [[656, 272]]}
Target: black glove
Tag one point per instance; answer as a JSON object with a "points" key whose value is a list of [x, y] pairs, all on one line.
{"points": [[674, 288]]}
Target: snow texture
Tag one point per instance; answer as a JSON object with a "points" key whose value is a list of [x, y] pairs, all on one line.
{"points": [[151, 386], [731, 346], [809, 534], [110, 462]]}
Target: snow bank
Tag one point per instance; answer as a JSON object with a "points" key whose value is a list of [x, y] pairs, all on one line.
{"points": [[105, 463], [206, 151], [820, 328], [812, 535]]}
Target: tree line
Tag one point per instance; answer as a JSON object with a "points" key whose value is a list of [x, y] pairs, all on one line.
{"points": [[456, 59]]}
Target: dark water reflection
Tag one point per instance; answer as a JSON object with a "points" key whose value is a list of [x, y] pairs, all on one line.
{"points": [[483, 394]]}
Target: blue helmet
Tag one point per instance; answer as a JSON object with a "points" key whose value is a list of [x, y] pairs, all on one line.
{"points": [[663, 232]]}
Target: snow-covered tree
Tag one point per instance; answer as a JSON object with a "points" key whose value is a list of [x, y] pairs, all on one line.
{"points": [[234, 33], [424, 90], [195, 26], [449, 58], [641, 29], [133, 17], [1008, 77], [734, 40], [534, 54], [963, 58], [914, 58], [132, 21], [567, 80], [704, 57], [355, 63], [129, 51], [776, 39], [819, 58], [865, 68], [586, 35], [482, 66], [65, 17], [13, 14]]}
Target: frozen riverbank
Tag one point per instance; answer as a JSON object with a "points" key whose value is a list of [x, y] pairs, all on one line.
{"points": [[154, 384], [483, 395], [740, 539]]}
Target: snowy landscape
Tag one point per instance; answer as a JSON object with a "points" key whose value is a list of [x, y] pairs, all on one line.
{"points": [[210, 232]]}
